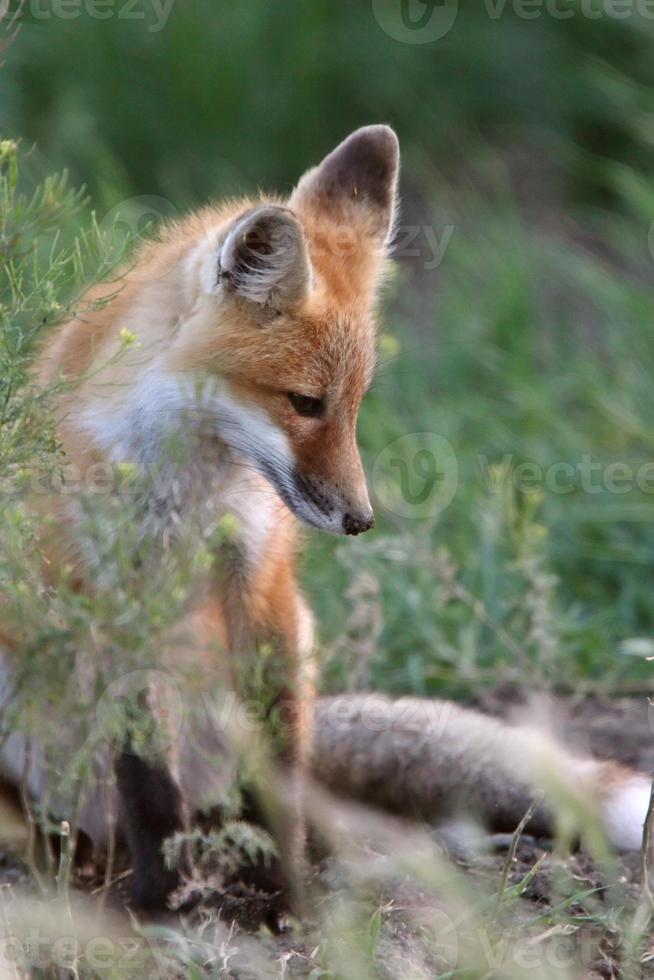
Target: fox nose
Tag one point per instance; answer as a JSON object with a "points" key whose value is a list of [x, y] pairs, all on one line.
{"points": [[358, 523]]}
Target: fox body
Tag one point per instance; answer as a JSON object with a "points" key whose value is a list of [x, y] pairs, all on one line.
{"points": [[253, 327], [255, 343]]}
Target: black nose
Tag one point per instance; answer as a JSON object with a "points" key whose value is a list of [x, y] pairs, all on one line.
{"points": [[358, 523]]}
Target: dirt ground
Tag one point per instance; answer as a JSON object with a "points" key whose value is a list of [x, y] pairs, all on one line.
{"points": [[413, 932], [610, 728], [588, 945]]}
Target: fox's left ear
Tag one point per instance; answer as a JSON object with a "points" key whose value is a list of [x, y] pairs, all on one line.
{"points": [[264, 258], [358, 180]]}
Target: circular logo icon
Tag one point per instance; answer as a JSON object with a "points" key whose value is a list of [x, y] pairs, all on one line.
{"points": [[650, 714], [126, 225], [416, 476], [650, 240], [442, 932], [142, 711], [415, 21]]}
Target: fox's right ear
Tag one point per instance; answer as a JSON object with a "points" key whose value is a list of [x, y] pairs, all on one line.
{"points": [[357, 182], [264, 258]]}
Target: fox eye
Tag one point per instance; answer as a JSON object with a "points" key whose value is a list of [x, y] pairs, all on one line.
{"points": [[305, 405]]}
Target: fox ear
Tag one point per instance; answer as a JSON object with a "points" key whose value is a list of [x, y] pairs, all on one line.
{"points": [[264, 258], [358, 178]]}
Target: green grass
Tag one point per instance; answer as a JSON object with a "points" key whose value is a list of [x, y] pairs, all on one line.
{"points": [[224, 97], [528, 350]]}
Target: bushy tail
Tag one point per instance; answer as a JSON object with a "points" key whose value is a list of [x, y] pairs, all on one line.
{"points": [[436, 760]]}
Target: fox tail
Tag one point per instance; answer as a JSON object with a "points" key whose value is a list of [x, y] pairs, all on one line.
{"points": [[437, 760]]}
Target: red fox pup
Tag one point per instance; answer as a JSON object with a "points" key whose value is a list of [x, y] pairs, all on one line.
{"points": [[256, 343], [255, 322]]}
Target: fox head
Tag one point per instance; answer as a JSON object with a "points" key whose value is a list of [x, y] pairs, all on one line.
{"points": [[282, 294], [271, 302]]}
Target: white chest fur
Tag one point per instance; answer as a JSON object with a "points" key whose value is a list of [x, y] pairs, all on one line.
{"points": [[185, 445]]}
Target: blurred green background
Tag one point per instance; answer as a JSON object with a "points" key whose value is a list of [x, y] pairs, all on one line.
{"points": [[519, 321]]}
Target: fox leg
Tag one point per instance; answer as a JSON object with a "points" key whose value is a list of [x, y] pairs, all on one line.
{"points": [[152, 808], [270, 639], [262, 623]]}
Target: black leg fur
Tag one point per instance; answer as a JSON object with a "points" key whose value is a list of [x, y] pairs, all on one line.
{"points": [[152, 810]]}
